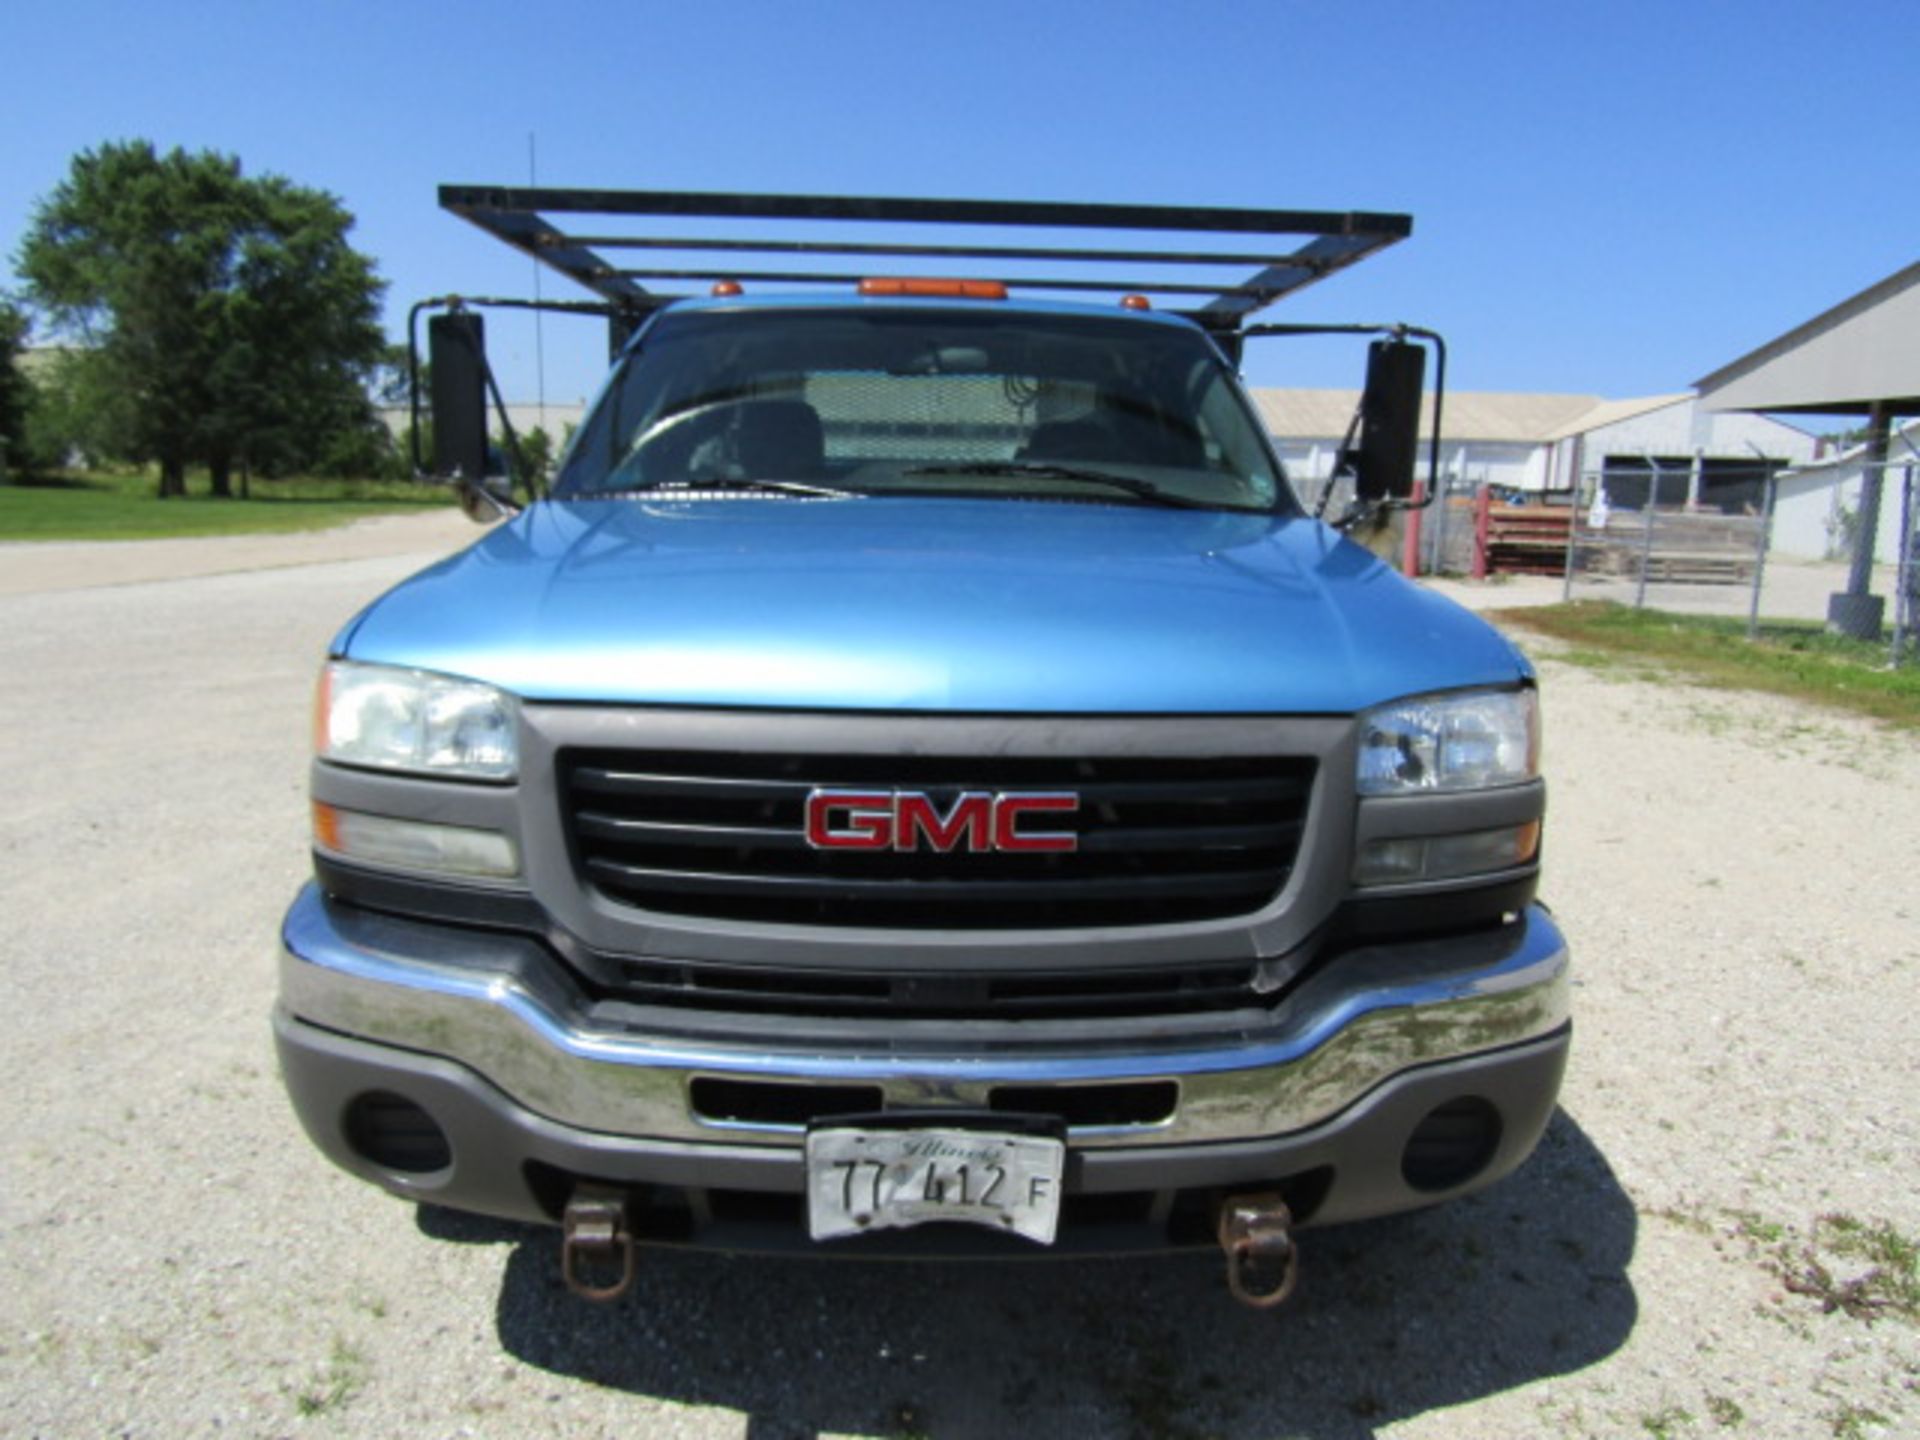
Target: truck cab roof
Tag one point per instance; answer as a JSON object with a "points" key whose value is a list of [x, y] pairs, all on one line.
{"points": [[1013, 304]]}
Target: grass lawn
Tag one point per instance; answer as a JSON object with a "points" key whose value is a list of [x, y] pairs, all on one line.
{"points": [[123, 507], [1795, 658]]}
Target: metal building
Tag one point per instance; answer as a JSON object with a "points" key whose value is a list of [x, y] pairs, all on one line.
{"points": [[1564, 444]]}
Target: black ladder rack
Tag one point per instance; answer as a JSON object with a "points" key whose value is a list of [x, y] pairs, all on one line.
{"points": [[1288, 249]]}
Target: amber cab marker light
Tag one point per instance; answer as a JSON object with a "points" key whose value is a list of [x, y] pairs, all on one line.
{"points": [[947, 289], [322, 708], [726, 289], [1526, 842], [1135, 302], [326, 826]]}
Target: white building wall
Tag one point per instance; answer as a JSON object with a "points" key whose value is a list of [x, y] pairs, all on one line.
{"points": [[1468, 464], [1678, 429], [1685, 428], [556, 415], [1809, 506], [1489, 462], [1806, 519]]}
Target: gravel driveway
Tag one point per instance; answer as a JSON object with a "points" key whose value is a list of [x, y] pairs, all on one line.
{"points": [[1737, 876]]}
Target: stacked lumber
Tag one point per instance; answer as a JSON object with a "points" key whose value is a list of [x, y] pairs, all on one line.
{"points": [[1526, 539], [1687, 549]]}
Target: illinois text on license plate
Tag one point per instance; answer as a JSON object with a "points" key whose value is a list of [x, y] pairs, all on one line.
{"points": [[861, 1180]]}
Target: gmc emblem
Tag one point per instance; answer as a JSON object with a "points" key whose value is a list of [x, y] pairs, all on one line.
{"points": [[978, 821]]}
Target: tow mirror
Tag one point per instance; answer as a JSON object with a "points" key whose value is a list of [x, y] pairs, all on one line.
{"points": [[456, 347], [1389, 421]]}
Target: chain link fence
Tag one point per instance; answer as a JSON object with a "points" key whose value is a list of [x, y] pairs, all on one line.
{"points": [[1446, 530], [1658, 543], [1778, 549], [1906, 577], [1785, 556]]}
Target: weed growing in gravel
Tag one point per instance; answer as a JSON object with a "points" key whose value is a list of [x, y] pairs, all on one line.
{"points": [[1685, 1219], [370, 1303], [1711, 720], [343, 1378], [1884, 1264], [1890, 1284], [1667, 1423], [1724, 1412], [1750, 1226], [1854, 1422]]}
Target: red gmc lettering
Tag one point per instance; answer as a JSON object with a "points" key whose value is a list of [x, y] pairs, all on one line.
{"points": [[869, 819], [971, 816], [1008, 809], [908, 820]]}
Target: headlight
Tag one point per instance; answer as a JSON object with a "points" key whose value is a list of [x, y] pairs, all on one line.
{"points": [[395, 719], [1471, 741]]}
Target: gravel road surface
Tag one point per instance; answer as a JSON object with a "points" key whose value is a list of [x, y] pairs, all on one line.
{"points": [[1737, 876]]}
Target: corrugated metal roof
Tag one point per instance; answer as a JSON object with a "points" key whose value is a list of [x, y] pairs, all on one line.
{"points": [[1612, 412], [1853, 455], [1865, 349], [1489, 415]]}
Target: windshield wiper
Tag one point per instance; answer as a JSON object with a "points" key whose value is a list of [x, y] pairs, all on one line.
{"points": [[718, 482], [1042, 470]]}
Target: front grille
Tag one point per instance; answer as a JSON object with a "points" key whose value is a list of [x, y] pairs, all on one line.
{"points": [[721, 835], [906, 995]]}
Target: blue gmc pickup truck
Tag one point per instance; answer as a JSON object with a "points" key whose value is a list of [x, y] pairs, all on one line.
{"points": [[922, 782]]}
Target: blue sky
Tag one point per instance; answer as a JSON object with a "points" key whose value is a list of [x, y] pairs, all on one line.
{"points": [[1611, 199]]}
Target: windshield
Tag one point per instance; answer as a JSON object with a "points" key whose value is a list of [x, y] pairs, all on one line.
{"points": [[925, 401]]}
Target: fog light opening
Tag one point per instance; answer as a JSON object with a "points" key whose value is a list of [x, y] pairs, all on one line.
{"points": [[1454, 1143], [392, 1132]]}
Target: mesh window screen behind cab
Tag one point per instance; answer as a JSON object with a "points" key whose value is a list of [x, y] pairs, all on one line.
{"points": [[920, 419]]}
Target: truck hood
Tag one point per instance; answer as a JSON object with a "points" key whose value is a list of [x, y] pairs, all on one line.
{"points": [[912, 604]]}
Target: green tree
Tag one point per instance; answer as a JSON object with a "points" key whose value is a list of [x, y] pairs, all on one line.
{"points": [[230, 314], [302, 338], [393, 387], [534, 463], [393, 377], [16, 393], [78, 412]]}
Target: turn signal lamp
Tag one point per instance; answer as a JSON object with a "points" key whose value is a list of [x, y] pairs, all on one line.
{"points": [[1135, 302], [943, 289], [415, 844], [1446, 857], [725, 289]]}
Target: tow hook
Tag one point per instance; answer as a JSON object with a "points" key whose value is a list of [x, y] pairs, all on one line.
{"points": [[596, 1241], [1263, 1264]]}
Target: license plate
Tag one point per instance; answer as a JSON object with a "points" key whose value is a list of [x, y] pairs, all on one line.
{"points": [[862, 1180]]}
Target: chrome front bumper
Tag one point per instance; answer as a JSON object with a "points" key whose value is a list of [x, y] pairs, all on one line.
{"points": [[500, 1008]]}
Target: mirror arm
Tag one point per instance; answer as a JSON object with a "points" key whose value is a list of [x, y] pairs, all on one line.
{"points": [[1439, 399], [514, 453], [1341, 466], [1369, 511], [502, 506], [457, 302], [413, 383], [1396, 331]]}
